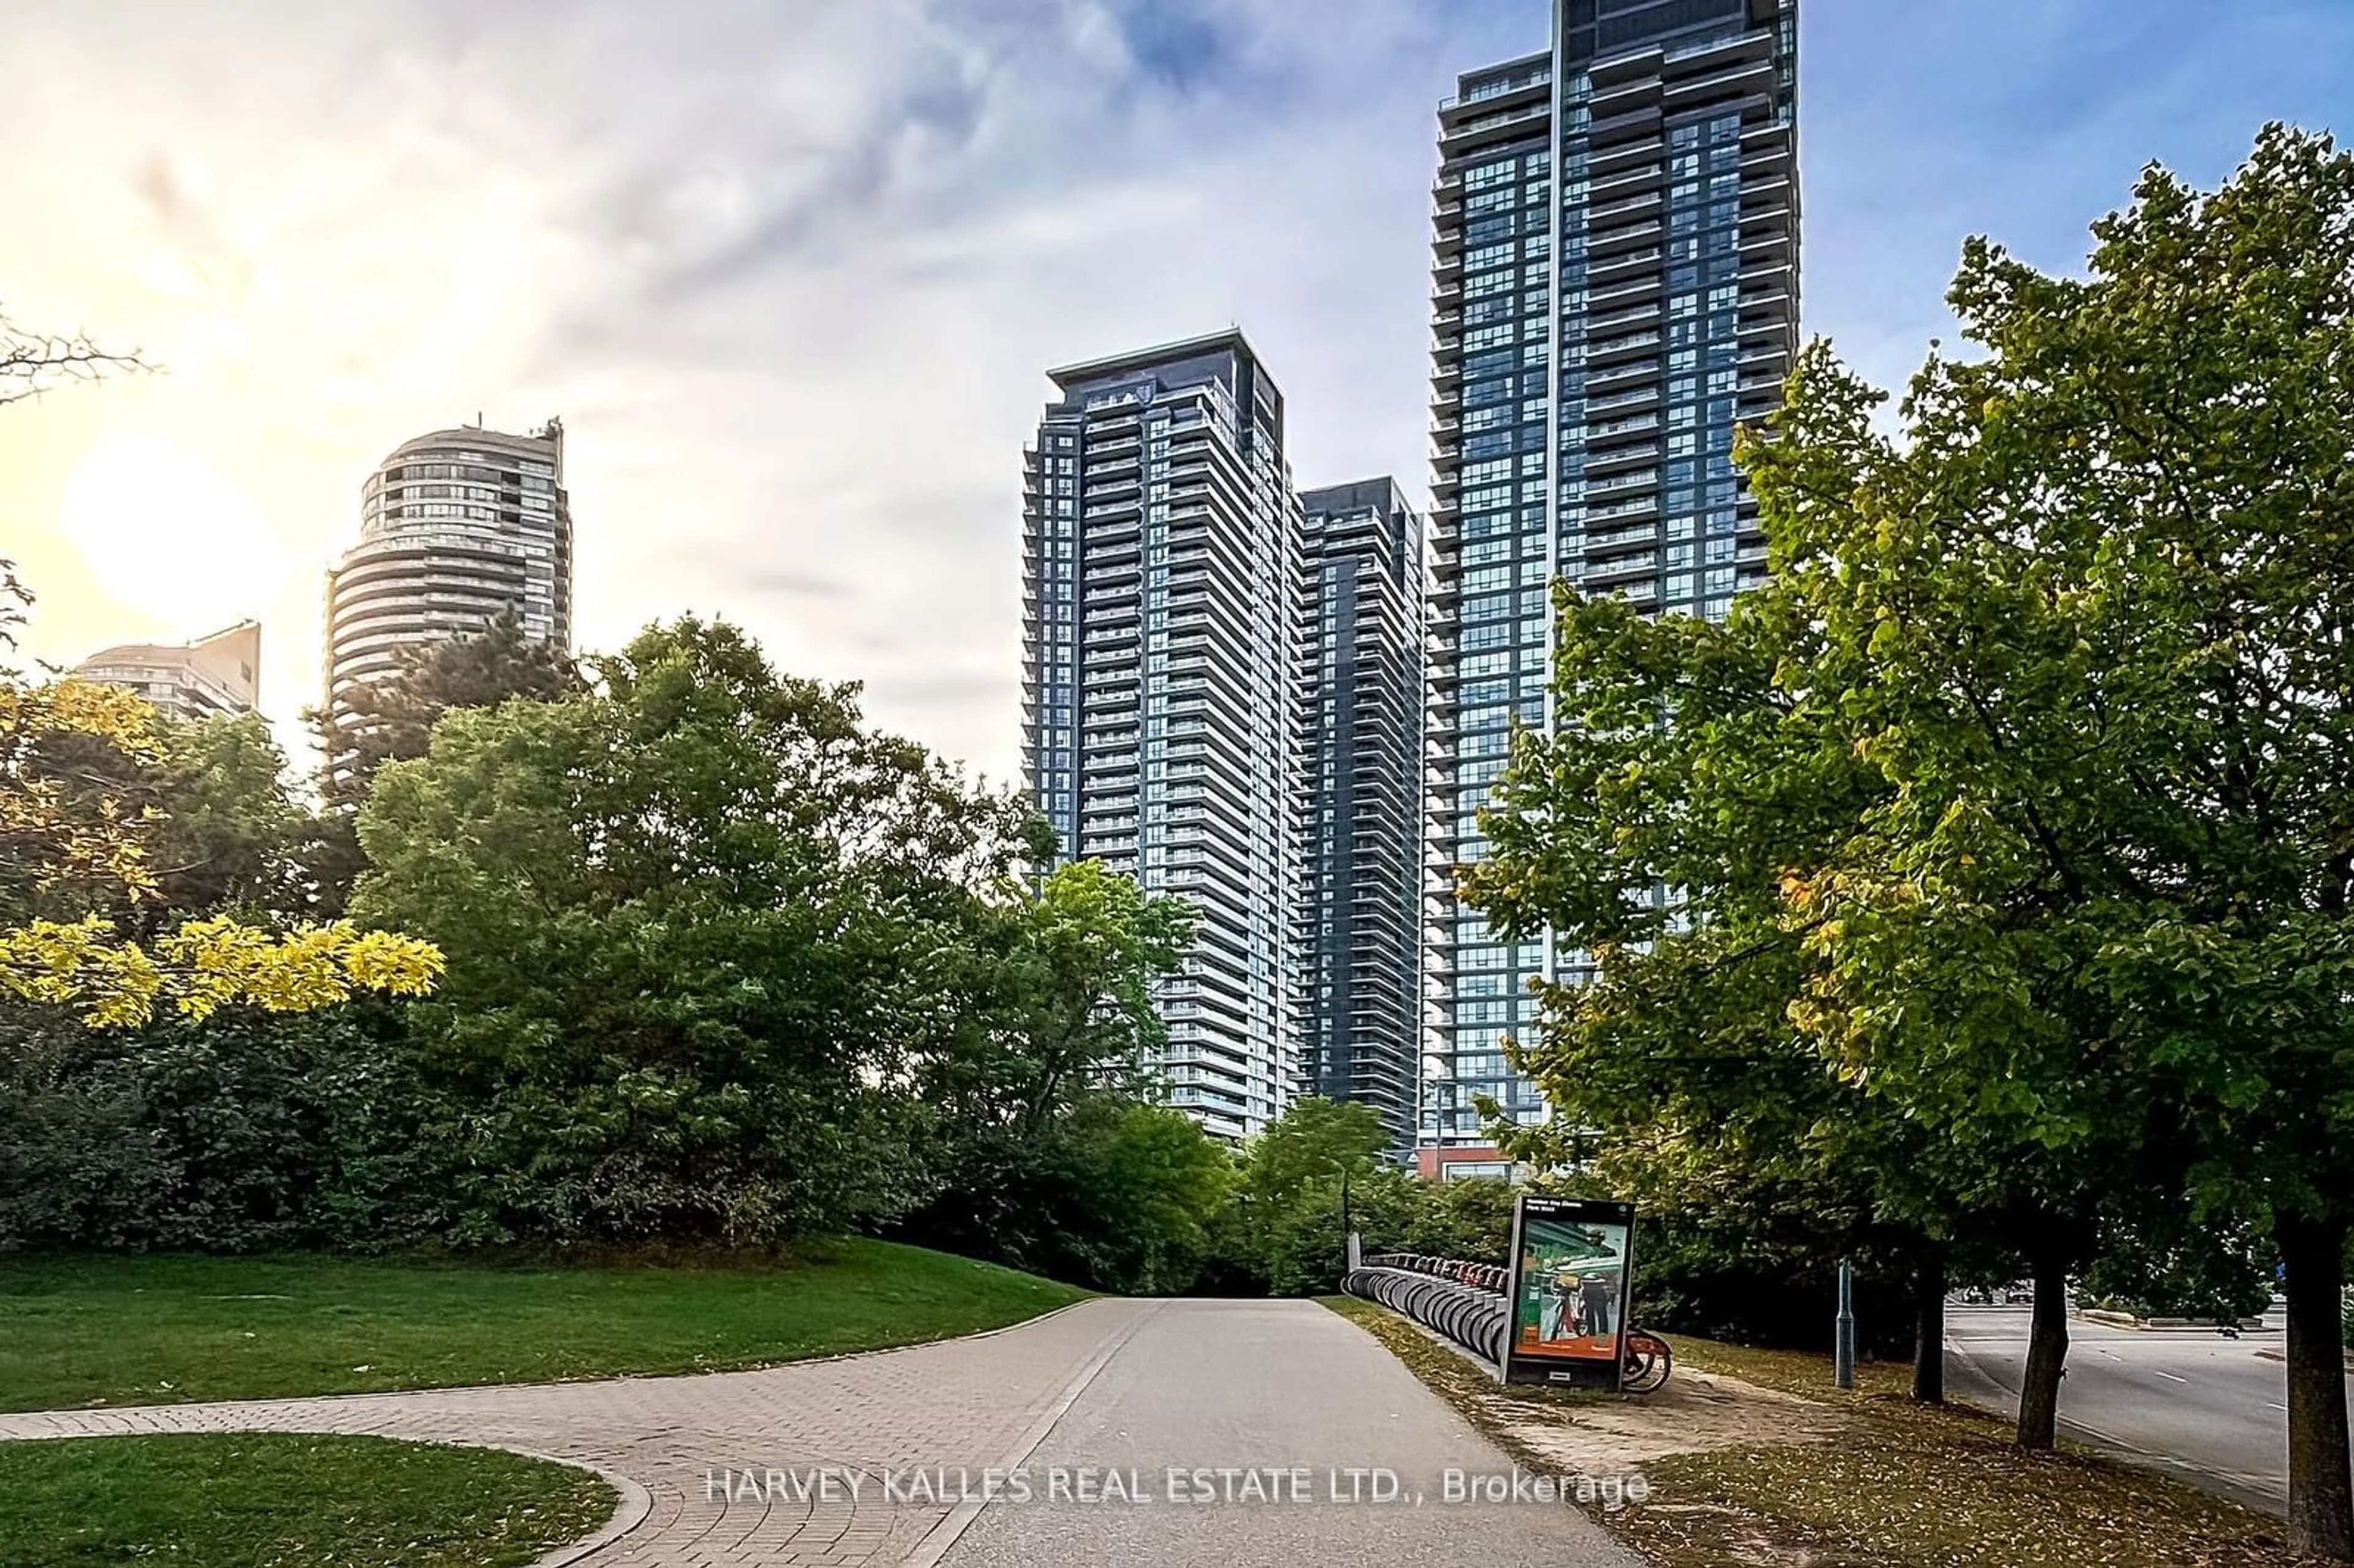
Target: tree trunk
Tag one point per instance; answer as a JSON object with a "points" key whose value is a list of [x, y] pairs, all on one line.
{"points": [[2047, 1358], [2320, 1488], [1929, 1329]]}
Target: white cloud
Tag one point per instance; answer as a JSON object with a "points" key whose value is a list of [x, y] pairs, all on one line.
{"points": [[792, 272]]}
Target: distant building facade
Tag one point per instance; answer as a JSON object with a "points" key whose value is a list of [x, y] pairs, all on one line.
{"points": [[1361, 801], [218, 676], [456, 529], [1162, 584], [1615, 289]]}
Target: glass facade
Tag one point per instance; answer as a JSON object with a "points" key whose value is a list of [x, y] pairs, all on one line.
{"points": [[1161, 707], [457, 528], [1362, 699], [1614, 289]]}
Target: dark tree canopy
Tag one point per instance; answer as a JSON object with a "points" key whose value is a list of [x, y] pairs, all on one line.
{"points": [[392, 719]]}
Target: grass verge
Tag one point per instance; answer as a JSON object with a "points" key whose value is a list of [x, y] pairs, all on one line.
{"points": [[1901, 1486], [259, 1499], [153, 1330]]}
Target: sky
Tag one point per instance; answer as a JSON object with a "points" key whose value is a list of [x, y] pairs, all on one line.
{"points": [[792, 271]]}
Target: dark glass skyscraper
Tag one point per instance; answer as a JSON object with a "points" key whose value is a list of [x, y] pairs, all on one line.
{"points": [[1362, 698], [1162, 589], [1616, 287]]}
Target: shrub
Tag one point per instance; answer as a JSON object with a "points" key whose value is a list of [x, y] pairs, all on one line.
{"points": [[248, 1132]]}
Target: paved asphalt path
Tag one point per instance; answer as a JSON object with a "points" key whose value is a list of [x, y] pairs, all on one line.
{"points": [[1290, 1390], [873, 1460], [2209, 1409]]}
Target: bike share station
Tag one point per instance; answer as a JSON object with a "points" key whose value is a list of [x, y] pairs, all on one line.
{"points": [[1555, 1313], [1569, 1289]]}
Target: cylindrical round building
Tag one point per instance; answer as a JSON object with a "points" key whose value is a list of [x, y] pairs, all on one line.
{"points": [[456, 529]]}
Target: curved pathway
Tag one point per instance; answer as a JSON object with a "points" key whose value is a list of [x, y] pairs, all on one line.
{"points": [[883, 1458]]}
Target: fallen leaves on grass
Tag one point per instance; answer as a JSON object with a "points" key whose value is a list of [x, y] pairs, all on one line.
{"points": [[1865, 1479]]}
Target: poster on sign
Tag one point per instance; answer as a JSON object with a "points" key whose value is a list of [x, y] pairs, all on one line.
{"points": [[1569, 1292]]}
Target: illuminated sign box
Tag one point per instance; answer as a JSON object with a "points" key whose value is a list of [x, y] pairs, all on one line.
{"points": [[1570, 1287]]}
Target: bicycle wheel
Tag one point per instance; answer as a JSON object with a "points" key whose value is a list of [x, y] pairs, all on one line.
{"points": [[1649, 1363]]}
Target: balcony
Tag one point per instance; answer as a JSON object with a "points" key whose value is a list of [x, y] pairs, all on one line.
{"points": [[1647, 316], [1622, 400], [1750, 77], [1622, 427], [1648, 201], [1619, 347], [1649, 504], [1618, 267], [1634, 481], [1620, 156], [1625, 182], [1641, 91], [1624, 294], [1501, 125], [1765, 196], [1616, 240], [1502, 88]]}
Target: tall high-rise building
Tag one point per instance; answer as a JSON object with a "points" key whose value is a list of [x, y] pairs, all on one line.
{"points": [[1361, 807], [1615, 288], [457, 528], [214, 677], [1162, 573]]}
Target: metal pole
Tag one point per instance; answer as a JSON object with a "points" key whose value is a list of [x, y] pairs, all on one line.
{"points": [[1843, 1343], [1348, 1230]]}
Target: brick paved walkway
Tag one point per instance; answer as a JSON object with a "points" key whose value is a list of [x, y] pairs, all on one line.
{"points": [[970, 1403]]}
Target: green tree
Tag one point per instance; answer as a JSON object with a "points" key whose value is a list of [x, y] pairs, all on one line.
{"points": [[1469, 1219], [392, 720], [227, 829], [1061, 997], [1314, 1141], [704, 925], [1695, 757], [1133, 1198], [79, 830], [1316, 1173], [2089, 614], [1040, 1149], [48, 843]]}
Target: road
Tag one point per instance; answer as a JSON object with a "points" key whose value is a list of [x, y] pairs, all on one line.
{"points": [[2209, 1409]]}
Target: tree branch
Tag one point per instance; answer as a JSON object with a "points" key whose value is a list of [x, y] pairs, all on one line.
{"points": [[32, 363]]}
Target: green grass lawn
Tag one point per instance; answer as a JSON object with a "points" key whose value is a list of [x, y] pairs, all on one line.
{"points": [[266, 1499], [153, 1330]]}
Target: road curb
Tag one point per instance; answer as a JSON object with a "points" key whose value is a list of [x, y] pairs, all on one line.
{"points": [[2168, 1325], [632, 1508]]}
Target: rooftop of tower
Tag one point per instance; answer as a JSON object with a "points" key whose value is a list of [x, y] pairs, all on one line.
{"points": [[1137, 360]]}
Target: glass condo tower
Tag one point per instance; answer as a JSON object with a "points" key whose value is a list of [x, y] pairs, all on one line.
{"points": [[1614, 288]]}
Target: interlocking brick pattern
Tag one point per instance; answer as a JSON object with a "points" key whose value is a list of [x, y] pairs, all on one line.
{"points": [[958, 1404]]}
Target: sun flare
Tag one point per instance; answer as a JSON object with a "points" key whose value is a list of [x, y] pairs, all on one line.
{"points": [[164, 535]]}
